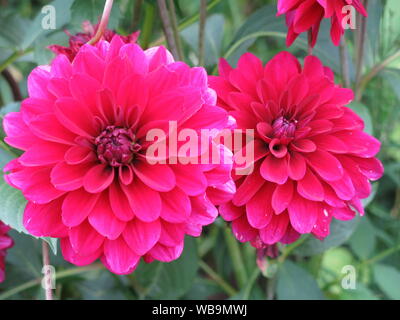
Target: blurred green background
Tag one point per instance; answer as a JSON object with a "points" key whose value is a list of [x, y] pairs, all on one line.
{"points": [[217, 266]]}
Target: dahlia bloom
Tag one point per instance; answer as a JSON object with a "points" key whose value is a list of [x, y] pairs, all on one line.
{"points": [[306, 15], [76, 41], [85, 169], [312, 159], [5, 243]]}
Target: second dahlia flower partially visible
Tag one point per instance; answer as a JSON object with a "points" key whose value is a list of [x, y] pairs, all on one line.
{"points": [[306, 15], [313, 162], [85, 170], [5, 243]]}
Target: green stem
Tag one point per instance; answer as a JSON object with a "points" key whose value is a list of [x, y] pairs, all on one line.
{"points": [[187, 22], [374, 71], [14, 56], [228, 289], [147, 25], [202, 27], [59, 275], [382, 255], [175, 31], [250, 284], [289, 249], [236, 256]]}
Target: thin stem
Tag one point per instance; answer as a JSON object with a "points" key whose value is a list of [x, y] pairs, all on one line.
{"points": [[250, 284], [381, 255], [344, 63], [202, 27], [236, 256], [47, 275], [271, 283], [149, 14], [137, 8], [310, 48], [14, 56], [360, 51], [59, 275], [168, 31], [187, 22], [289, 249], [374, 71], [103, 22], [228, 289], [13, 84], [174, 24]]}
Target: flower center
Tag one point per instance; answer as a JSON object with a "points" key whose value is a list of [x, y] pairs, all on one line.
{"points": [[283, 128], [116, 146]]}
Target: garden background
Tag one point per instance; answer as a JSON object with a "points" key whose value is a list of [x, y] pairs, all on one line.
{"points": [[216, 265]]}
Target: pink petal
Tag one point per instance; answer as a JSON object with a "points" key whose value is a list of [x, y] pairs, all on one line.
{"points": [[274, 169], [282, 196], [98, 178], [159, 177], [119, 258], [142, 236], [275, 230], [76, 207], [176, 206], [145, 202]]}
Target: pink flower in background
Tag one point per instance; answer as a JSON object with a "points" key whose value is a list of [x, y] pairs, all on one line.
{"points": [[306, 15], [78, 40], [5, 243], [313, 161], [85, 171]]}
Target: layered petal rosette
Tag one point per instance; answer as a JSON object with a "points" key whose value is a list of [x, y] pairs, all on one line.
{"points": [[86, 170], [5, 243], [312, 160], [306, 15]]}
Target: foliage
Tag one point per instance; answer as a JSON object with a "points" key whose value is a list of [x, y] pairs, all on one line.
{"points": [[215, 266]]}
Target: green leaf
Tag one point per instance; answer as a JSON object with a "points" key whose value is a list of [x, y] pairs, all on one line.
{"points": [[340, 232], [363, 240], [213, 38], [62, 17], [361, 292], [295, 283], [12, 211], [388, 280], [363, 112], [170, 280]]}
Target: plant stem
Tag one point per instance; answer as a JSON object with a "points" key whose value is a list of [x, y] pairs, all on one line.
{"points": [[228, 289], [14, 56], [187, 22], [271, 282], [250, 284], [174, 24], [289, 249], [310, 48], [103, 22], [360, 45], [168, 31], [344, 63], [137, 8], [13, 84], [236, 256], [374, 71], [202, 26], [59, 275], [147, 25], [47, 275]]}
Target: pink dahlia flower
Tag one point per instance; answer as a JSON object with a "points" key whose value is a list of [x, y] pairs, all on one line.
{"points": [[312, 159], [76, 41], [85, 169], [306, 15], [5, 243]]}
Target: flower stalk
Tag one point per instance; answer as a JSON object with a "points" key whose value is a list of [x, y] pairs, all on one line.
{"points": [[103, 22]]}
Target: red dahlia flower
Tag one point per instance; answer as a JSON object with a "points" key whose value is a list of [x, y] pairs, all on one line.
{"points": [[312, 159], [306, 15], [5, 243], [78, 40], [85, 171]]}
